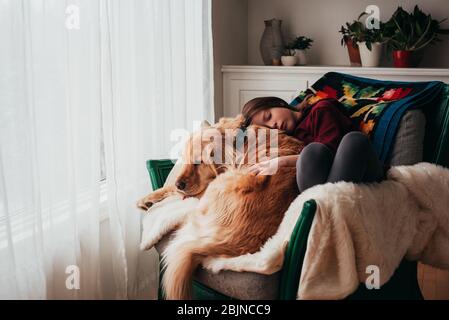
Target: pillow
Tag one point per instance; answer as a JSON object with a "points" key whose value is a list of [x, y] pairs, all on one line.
{"points": [[409, 142]]}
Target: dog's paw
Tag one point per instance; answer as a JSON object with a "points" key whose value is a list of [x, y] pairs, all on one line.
{"points": [[144, 204]]}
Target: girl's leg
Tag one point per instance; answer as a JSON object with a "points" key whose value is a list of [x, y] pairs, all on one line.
{"points": [[313, 165], [356, 160]]}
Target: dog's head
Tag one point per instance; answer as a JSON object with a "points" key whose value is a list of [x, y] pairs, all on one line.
{"points": [[201, 162], [213, 150]]}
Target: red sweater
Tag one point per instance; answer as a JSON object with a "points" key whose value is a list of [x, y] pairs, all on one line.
{"points": [[324, 122]]}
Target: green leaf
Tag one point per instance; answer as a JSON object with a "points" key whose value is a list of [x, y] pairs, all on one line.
{"points": [[426, 33], [418, 28]]}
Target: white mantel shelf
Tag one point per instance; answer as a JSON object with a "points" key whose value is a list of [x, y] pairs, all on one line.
{"points": [[244, 82], [344, 69]]}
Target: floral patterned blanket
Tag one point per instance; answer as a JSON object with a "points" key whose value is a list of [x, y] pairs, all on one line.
{"points": [[377, 106]]}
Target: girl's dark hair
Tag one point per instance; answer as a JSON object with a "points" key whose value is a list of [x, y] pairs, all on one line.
{"points": [[262, 103]]}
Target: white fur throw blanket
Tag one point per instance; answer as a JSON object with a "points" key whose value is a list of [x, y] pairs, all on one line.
{"points": [[355, 226]]}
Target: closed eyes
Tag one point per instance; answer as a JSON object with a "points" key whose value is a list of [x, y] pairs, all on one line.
{"points": [[266, 116]]}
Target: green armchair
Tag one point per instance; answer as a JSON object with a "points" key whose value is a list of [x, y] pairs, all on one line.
{"points": [[284, 284]]}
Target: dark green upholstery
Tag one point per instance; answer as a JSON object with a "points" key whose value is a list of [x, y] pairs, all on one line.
{"points": [[436, 141], [295, 253], [403, 284], [159, 171]]}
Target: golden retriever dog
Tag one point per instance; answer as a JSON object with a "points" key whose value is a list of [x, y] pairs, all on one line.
{"points": [[196, 174], [197, 170], [237, 212]]}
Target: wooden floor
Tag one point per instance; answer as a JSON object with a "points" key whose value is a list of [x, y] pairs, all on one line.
{"points": [[434, 282]]}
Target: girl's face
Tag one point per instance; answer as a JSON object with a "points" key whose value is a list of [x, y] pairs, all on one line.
{"points": [[277, 118]]}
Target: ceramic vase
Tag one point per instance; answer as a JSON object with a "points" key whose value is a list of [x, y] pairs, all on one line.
{"points": [[272, 42]]}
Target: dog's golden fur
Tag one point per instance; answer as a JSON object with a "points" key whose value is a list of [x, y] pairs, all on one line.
{"points": [[236, 215]]}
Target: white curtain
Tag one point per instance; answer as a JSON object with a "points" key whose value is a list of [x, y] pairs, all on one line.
{"points": [[90, 90]]}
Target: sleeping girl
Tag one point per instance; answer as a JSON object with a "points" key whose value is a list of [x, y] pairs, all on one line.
{"points": [[335, 150]]}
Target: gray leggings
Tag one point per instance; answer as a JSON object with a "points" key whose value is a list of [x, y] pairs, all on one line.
{"points": [[355, 161]]}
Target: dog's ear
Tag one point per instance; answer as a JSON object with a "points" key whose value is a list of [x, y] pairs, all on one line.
{"points": [[205, 124]]}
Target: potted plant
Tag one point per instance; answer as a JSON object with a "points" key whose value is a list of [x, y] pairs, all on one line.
{"points": [[370, 43], [351, 32], [300, 45], [288, 58], [364, 45], [409, 33]]}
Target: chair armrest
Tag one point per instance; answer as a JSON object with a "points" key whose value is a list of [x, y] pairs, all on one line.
{"points": [[436, 142], [159, 171], [295, 253]]}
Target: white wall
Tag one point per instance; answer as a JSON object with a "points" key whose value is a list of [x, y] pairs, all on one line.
{"points": [[230, 37], [321, 20]]}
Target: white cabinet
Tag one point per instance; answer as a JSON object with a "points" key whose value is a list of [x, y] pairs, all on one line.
{"points": [[242, 83]]}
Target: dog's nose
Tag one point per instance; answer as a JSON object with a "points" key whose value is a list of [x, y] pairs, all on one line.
{"points": [[180, 185]]}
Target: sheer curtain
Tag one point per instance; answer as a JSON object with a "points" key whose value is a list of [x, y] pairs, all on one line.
{"points": [[89, 90]]}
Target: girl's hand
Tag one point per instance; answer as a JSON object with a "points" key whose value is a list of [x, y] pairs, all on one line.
{"points": [[267, 167]]}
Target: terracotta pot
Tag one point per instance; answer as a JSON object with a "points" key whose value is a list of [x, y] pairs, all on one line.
{"points": [[354, 53], [403, 59]]}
